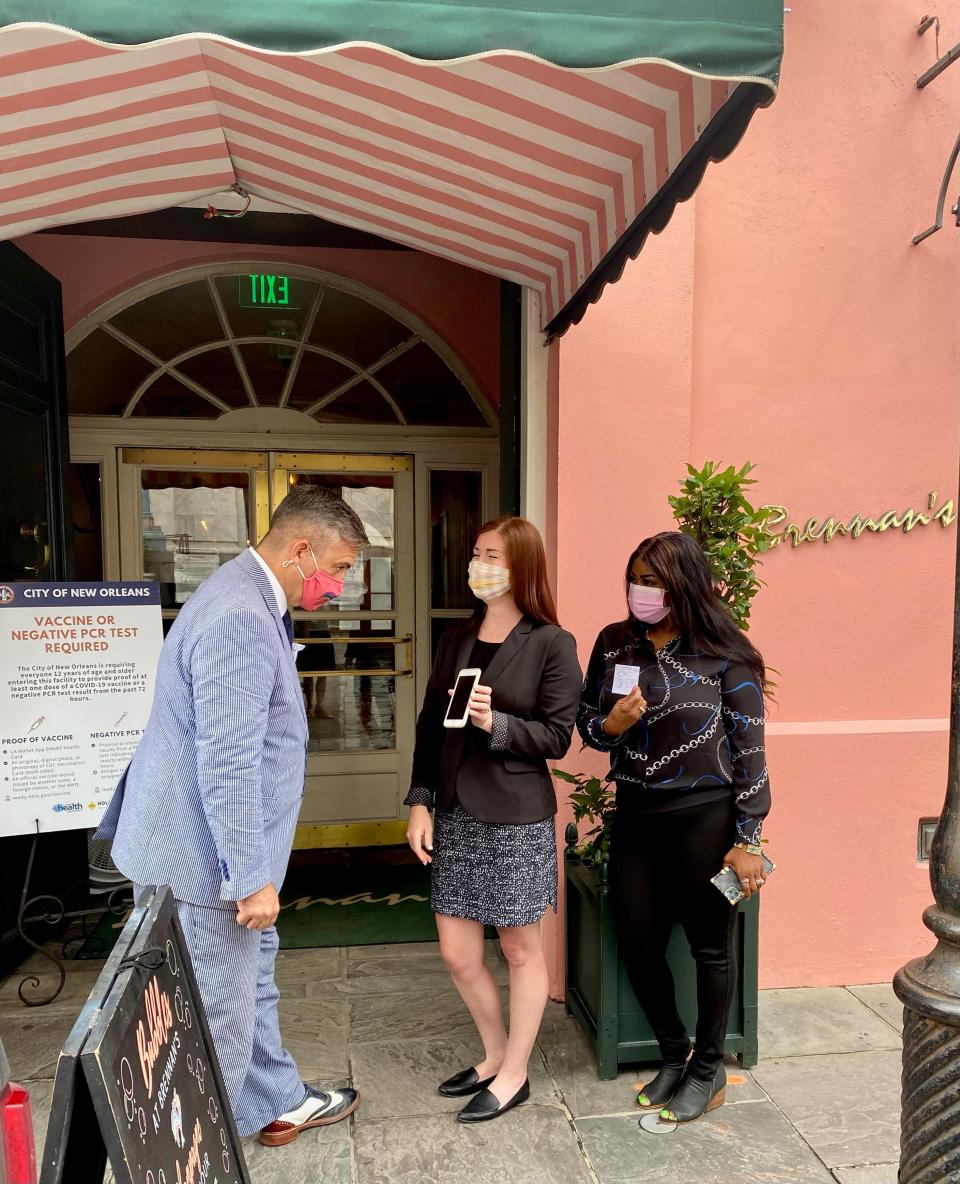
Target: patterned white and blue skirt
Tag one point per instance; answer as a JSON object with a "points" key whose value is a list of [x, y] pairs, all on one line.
{"points": [[497, 874]]}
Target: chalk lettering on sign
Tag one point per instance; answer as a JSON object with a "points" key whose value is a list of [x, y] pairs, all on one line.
{"points": [[195, 1166], [160, 1022]]}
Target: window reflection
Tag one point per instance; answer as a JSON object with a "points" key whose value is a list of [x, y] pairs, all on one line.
{"points": [[192, 524], [456, 509], [346, 711]]}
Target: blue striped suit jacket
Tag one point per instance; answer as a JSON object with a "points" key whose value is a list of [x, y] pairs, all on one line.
{"points": [[209, 802]]}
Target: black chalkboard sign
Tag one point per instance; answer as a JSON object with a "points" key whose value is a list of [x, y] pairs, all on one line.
{"points": [[140, 1064]]}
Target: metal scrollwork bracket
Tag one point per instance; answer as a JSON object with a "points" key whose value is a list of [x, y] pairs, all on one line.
{"points": [[51, 912], [938, 67]]}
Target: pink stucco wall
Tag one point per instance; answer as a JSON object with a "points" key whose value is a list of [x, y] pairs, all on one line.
{"points": [[462, 306], [784, 318]]}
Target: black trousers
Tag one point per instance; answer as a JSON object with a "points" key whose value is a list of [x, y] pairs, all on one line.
{"points": [[660, 870]]}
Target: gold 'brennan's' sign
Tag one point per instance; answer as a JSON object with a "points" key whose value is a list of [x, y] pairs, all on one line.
{"points": [[825, 529]]}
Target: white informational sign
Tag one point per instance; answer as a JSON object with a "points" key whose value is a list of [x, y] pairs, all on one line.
{"points": [[77, 667]]}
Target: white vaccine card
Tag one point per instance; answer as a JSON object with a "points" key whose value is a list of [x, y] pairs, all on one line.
{"points": [[625, 678]]}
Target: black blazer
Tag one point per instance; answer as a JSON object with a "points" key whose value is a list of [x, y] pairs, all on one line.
{"points": [[503, 778]]}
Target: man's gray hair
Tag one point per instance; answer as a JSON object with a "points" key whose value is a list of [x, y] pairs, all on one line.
{"points": [[319, 513]]}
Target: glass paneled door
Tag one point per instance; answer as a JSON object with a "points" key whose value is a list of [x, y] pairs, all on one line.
{"points": [[184, 513], [356, 667]]}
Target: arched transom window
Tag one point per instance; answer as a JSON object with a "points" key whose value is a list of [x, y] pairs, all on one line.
{"points": [[203, 346]]}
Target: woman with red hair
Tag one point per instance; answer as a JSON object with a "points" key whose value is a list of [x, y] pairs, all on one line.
{"points": [[491, 841]]}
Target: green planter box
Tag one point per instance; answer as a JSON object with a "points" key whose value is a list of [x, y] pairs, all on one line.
{"points": [[601, 998]]}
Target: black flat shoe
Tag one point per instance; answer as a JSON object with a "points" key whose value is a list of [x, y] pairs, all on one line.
{"points": [[486, 1106], [660, 1090], [460, 1085], [696, 1097]]}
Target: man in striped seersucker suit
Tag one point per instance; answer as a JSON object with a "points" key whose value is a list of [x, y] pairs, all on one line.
{"points": [[209, 802]]}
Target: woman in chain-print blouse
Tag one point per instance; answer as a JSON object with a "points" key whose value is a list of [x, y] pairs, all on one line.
{"points": [[675, 695], [701, 736]]}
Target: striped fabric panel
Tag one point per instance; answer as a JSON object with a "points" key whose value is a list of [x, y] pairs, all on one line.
{"points": [[501, 162]]}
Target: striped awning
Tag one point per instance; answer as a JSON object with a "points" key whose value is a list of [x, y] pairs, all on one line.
{"points": [[540, 172]]}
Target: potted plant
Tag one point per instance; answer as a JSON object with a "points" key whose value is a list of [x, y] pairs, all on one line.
{"points": [[713, 507]]}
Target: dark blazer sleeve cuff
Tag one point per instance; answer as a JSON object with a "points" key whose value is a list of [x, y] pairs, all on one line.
{"points": [[419, 795], [500, 732]]}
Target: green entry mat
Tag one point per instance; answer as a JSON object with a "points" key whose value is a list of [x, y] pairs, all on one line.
{"points": [[346, 898]]}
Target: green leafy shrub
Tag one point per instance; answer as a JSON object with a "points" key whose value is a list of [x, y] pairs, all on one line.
{"points": [[593, 801], [713, 508]]}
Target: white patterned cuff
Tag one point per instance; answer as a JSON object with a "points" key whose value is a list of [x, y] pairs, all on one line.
{"points": [[500, 732]]}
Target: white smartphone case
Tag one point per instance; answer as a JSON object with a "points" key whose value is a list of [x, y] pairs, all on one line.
{"points": [[459, 722]]}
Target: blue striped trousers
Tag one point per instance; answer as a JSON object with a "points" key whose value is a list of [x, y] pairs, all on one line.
{"points": [[234, 968]]}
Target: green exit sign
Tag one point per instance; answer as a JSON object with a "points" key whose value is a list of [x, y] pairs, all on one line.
{"points": [[268, 291]]}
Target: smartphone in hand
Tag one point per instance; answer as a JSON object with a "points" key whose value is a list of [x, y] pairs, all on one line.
{"points": [[458, 707], [727, 883]]}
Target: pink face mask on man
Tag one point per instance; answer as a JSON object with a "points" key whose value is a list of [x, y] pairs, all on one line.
{"points": [[318, 589], [646, 604]]}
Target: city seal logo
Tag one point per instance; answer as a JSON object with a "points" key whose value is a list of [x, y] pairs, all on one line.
{"points": [[7, 594]]}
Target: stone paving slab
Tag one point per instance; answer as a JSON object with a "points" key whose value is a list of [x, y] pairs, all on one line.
{"points": [[77, 986], [530, 1145], [748, 1144], [33, 1041], [572, 1063], [399, 1078], [573, 1066], [412, 985], [316, 1035], [314, 1157], [879, 997], [373, 959], [439, 1012], [883, 1173], [41, 1095], [417, 975], [845, 1105], [811, 1020], [296, 968], [391, 1016]]}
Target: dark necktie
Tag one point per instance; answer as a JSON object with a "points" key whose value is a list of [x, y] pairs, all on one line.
{"points": [[288, 625]]}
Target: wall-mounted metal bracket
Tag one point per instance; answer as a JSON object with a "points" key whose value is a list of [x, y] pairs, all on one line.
{"points": [[927, 23], [941, 200]]}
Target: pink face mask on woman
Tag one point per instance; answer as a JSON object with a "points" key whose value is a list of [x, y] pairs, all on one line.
{"points": [[646, 604]]}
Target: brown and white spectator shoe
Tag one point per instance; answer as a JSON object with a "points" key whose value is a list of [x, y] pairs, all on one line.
{"points": [[318, 1108]]}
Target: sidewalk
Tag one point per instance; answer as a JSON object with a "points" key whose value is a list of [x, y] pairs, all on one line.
{"points": [[821, 1106]]}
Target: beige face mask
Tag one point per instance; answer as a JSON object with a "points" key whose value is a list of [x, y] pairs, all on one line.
{"points": [[486, 580]]}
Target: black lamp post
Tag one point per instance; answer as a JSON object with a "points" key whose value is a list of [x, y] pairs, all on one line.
{"points": [[929, 989]]}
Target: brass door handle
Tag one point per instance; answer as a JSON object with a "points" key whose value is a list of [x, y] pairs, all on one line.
{"points": [[36, 534], [405, 672]]}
